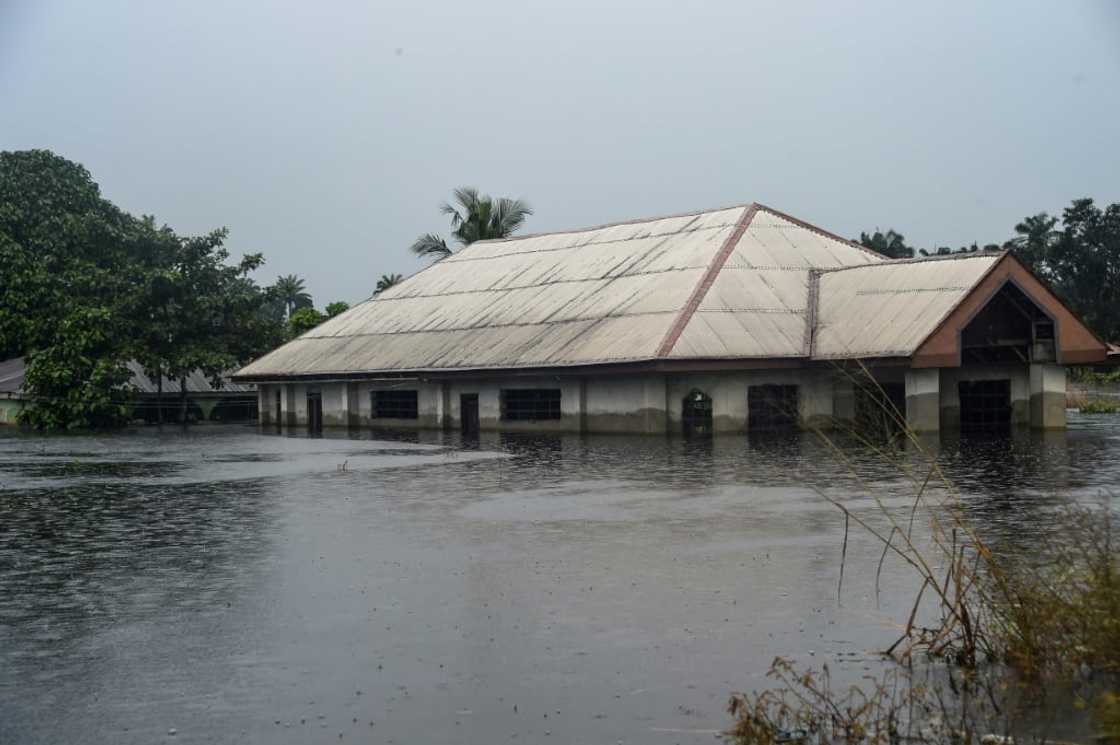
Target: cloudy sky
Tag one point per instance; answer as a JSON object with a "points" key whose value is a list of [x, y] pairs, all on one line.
{"points": [[326, 134]]}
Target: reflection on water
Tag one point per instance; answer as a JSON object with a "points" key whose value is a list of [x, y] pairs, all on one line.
{"points": [[220, 580]]}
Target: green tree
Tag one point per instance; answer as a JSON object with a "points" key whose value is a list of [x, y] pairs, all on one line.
{"points": [[1081, 261], [477, 217], [333, 309], [889, 244], [387, 281], [303, 320], [291, 292], [72, 265], [1034, 238]]}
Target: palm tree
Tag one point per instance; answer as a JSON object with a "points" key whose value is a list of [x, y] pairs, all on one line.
{"points": [[478, 217], [290, 291], [387, 281]]}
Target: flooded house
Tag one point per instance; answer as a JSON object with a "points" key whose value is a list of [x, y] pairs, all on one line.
{"points": [[227, 402], [722, 321]]}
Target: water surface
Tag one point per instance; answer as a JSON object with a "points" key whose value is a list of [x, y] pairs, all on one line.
{"points": [[236, 586]]}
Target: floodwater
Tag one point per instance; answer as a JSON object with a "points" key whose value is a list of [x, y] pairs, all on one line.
{"points": [[224, 585]]}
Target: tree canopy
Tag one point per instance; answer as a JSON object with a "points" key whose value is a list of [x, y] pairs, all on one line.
{"points": [[474, 217], [87, 287]]}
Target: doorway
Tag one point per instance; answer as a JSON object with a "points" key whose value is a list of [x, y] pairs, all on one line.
{"points": [[468, 414], [696, 414], [985, 405], [314, 411]]}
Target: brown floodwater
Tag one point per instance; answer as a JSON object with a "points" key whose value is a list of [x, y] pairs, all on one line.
{"points": [[220, 584]]}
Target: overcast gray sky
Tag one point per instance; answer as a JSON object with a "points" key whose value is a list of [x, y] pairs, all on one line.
{"points": [[327, 134]]}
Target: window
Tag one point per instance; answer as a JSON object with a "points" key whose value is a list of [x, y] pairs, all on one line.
{"points": [[696, 414], [530, 404], [772, 407], [985, 405], [393, 405]]}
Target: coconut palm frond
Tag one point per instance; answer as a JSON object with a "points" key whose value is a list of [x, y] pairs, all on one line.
{"points": [[430, 245]]}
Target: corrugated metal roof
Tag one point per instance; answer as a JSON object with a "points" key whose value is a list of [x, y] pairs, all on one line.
{"points": [[12, 374], [888, 309], [606, 294], [197, 382], [723, 283]]}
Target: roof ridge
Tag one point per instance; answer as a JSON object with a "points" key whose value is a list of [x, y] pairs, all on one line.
{"points": [[707, 280], [635, 221], [922, 259]]}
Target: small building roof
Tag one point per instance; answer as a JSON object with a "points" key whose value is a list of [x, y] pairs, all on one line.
{"points": [[12, 376], [890, 308]]}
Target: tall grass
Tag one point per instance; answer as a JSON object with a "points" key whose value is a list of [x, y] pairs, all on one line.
{"points": [[986, 641]]}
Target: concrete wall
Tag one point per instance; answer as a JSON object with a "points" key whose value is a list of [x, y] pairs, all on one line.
{"points": [[490, 404], [651, 404], [729, 392]]}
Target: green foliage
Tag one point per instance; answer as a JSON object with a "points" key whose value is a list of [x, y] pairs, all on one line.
{"points": [[333, 309], [1099, 406], [890, 244], [303, 320], [290, 292], [478, 217], [387, 281], [1081, 261], [87, 287]]}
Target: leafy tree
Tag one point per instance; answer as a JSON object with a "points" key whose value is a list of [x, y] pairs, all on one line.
{"points": [[86, 287], [1035, 236], [291, 292], [72, 265], [889, 244], [1081, 261], [477, 217], [387, 281], [303, 320], [333, 309]]}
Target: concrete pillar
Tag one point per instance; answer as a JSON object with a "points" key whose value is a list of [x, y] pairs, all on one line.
{"points": [[923, 399], [264, 405], [1048, 396]]}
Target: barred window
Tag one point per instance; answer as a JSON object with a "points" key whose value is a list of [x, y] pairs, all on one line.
{"points": [[530, 404], [772, 407], [393, 405]]}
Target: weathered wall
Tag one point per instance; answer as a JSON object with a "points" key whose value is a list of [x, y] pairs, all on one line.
{"points": [[729, 392], [490, 405], [651, 404]]}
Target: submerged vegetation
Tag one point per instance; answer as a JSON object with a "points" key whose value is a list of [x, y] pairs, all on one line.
{"points": [[1007, 640], [1099, 406]]}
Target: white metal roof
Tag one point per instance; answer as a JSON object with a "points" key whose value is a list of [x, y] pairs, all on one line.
{"points": [[730, 283], [890, 308]]}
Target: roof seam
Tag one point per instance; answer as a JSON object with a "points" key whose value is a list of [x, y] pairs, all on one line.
{"points": [[584, 319], [547, 283], [459, 258], [604, 226], [706, 282]]}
